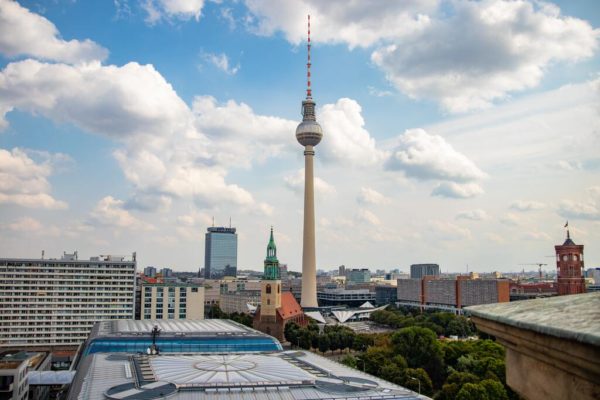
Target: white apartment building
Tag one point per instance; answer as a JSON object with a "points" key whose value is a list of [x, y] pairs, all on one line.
{"points": [[172, 301], [55, 302]]}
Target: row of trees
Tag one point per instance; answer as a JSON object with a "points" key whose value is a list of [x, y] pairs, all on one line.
{"points": [[332, 338], [215, 312]]}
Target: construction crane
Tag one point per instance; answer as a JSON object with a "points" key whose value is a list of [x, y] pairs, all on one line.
{"points": [[539, 267]]}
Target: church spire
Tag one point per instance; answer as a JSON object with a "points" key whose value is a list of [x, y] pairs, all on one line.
{"points": [[271, 269]]}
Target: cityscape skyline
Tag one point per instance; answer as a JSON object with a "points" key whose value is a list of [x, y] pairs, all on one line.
{"points": [[112, 147]]}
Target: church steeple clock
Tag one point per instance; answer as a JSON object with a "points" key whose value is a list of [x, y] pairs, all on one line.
{"points": [[270, 293], [569, 264]]}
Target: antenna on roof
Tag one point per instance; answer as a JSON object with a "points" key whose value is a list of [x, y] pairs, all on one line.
{"points": [[213, 221], [230, 222], [308, 64]]}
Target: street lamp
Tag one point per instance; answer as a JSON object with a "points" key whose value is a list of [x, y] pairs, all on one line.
{"points": [[418, 381]]}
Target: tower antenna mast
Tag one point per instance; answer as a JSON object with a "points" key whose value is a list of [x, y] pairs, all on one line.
{"points": [[308, 64]]}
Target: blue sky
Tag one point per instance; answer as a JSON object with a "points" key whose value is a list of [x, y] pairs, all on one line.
{"points": [[455, 132]]}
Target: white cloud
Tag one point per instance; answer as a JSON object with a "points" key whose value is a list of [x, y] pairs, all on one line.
{"points": [[148, 202], [111, 212], [378, 92], [26, 224], [239, 135], [163, 152], [25, 33], [345, 140], [367, 216], [25, 182], [221, 61], [473, 215], [510, 219], [527, 205], [356, 23], [167, 9], [429, 157], [371, 196], [295, 182], [457, 190], [535, 235], [443, 230], [483, 51], [586, 209]]}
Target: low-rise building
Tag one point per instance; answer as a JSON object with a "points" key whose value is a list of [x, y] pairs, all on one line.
{"points": [[341, 296], [14, 369], [243, 301]]}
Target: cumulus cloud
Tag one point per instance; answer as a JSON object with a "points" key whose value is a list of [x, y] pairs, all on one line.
{"points": [[429, 157], [367, 216], [355, 23], [31, 226], [111, 212], [168, 9], [527, 205], [484, 50], [535, 235], [510, 219], [371, 196], [162, 150], [443, 230], [346, 140], [221, 61], [457, 190], [24, 182], [588, 209], [239, 135], [295, 182], [473, 215], [25, 33]]}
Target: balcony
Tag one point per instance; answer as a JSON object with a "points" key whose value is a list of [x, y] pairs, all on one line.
{"points": [[552, 344]]}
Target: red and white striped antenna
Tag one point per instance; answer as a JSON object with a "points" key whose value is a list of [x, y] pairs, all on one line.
{"points": [[308, 89]]}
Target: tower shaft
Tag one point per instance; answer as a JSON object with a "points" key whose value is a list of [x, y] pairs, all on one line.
{"points": [[309, 259]]}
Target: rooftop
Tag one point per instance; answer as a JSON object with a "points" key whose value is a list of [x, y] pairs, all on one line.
{"points": [[575, 317]]}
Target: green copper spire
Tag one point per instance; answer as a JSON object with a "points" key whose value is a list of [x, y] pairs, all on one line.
{"points": [[271, 271]]}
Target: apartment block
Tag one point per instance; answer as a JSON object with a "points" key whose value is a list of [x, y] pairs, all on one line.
{"points": [[172, 301], [46, 303]]}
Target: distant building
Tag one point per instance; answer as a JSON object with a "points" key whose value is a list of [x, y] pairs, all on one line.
{"points": [[277, 308], [593, 273], [166, 272], [220, 253], [348, 297], [452, 294], [569, 262], [243, 301], [354, 276], [342, 270], [418, 271], [150, 272], [172, 301], [50, 303], [385, 294]]}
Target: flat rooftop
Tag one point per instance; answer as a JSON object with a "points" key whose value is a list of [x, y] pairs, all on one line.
{"points": [[283, 375], [13, 359], [575, 317], [128, 327]]}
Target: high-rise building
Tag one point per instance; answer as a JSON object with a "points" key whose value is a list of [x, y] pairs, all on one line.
{"points": [[220, 252], [150, 272], [356, 275], [569, 262], [309, 134], [166, 272], [418, 271], [172, 301], [54, 303]]}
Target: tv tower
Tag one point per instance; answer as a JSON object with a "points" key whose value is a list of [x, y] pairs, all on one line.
{"points": [[309, 134]]}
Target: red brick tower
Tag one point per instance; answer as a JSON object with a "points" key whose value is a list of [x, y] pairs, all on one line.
{"points": [[569, 264]]}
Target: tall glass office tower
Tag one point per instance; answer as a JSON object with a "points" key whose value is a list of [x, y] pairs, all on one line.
{"points": [[220, 253]]}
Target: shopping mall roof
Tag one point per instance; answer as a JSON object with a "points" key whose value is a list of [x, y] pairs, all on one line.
{"points": [[282, 375]]}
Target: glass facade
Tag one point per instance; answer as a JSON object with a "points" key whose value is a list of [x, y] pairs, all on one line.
{"points": [[183, 345], [220, 253]]}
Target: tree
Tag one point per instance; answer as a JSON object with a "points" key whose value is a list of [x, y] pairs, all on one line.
{"points": [[421, 349], [495, 390], [349, 360], [290, 332], [472, 391], [417, 378], [324, 343], [374, 358], [362, 342]]}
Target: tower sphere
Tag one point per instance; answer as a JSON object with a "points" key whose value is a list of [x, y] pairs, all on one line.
{"points": [[309, 133]]}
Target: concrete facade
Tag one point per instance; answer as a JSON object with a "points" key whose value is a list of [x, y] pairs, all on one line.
{"points": [[53, 303], [172, 301]]}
